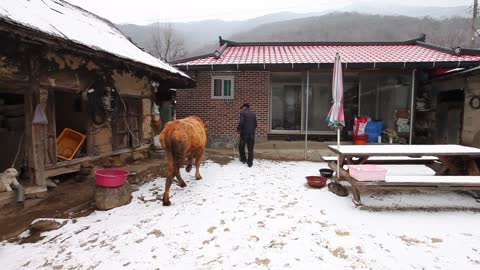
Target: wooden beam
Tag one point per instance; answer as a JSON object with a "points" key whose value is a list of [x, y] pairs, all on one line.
{"points": [[93, 158], [9, 197], [35, 134], [51, 130], [90, 138], [14, 77]]}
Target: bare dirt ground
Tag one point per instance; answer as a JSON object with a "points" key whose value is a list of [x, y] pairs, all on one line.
{"points": [[69, 199], [281, 150]]}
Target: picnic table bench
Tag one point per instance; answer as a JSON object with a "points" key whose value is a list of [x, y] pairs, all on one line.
{"points": [[456, 167], [387, 160]]}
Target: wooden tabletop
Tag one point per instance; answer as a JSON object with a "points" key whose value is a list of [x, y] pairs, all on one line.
{"points": [[405, 150]]}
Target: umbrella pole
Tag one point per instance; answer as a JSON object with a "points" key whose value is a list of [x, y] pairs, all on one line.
{"points": [[338, 156]]}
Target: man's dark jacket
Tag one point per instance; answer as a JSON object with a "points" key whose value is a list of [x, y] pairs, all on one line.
{"points": [[248, 123]]}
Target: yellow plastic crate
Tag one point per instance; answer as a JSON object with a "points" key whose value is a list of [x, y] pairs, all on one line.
{"points": [[68, 143]]}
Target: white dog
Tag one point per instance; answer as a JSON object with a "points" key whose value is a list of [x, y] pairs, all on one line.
{"points": [[8, 177]]}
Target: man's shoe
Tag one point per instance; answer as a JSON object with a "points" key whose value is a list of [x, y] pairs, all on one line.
{"points": [[243, 161], [250, 164]]}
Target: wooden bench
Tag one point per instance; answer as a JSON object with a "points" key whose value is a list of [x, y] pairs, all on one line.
{"points": [[409, 183], [390, 160]]}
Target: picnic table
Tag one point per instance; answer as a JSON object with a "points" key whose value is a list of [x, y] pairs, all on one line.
{"points": [[456, 167]]}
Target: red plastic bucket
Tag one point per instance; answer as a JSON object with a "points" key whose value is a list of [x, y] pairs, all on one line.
{"points": [[360, 139], [111, 177], [316, 181]]}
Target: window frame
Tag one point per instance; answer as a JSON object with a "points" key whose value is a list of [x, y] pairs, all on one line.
{"points": [[223, 78]]}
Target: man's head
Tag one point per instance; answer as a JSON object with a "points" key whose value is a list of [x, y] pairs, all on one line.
{"points": [[245, 105]]}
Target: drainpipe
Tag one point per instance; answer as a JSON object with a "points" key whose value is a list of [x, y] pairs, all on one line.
{"points": [[412, 106], [20, 193], [306, 114]]}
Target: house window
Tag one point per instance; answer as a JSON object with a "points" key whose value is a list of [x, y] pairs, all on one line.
{"points": [[222, 87]]}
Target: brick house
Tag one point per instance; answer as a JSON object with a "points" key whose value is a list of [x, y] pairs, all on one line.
{"points": [[381, 80]]}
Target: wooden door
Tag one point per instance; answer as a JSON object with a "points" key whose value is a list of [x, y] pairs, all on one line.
{"points": [[127, 129]]}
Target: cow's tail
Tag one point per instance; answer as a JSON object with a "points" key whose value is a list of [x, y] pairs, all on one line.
{"points": [[177, 151]]}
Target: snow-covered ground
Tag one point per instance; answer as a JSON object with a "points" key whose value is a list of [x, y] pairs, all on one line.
{"points": [[263, 217]]}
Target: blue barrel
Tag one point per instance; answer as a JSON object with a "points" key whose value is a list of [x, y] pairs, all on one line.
{"points": [[373, 130]]}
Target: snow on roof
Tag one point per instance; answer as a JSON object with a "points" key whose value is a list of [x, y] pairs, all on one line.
{"points": [[64, 20]]}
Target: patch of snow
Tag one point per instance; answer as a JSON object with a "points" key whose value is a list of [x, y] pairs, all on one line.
{"points": [[61, 19], [264, 217]]}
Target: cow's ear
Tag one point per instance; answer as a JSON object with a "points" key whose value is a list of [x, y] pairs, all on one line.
{"points": [[205, 124]]}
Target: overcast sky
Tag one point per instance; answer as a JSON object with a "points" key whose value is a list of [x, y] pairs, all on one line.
{"points": [[148, 11]]}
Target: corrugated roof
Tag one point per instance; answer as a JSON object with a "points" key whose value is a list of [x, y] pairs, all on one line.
{"points": [[63, 20], [324, 53]]}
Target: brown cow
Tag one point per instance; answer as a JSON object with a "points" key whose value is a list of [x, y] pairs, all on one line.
{"points": [[183, 139]]}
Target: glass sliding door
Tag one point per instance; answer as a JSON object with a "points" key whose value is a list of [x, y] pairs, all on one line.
{"points": [[382, 95], [289, 101], [319, 102], [286, 113]]}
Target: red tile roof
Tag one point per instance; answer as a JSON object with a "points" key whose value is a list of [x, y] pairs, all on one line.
{"points": [[413, 51]]}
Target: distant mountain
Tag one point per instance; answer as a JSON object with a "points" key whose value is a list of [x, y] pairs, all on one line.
{"points": [[202, 33], [389, 7], [202, 36], [360, 27]]}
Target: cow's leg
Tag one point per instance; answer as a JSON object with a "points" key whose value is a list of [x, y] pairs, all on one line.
{"points": [[197, 164], [168, 182], [179, 177], [189, 164]]}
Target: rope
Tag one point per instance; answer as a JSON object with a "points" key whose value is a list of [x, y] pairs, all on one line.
{"points": [[18, 151]]}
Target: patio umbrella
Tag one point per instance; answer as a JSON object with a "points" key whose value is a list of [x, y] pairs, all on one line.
{"points": [[336, 117]]}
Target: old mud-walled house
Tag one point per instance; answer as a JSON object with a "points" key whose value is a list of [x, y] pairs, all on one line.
{"points": [[289, 87], [64, 69]]}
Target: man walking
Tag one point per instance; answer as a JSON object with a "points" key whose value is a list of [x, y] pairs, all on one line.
{"points": [[246, 128]]}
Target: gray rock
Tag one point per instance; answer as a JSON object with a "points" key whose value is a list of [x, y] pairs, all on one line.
{"points": [[107, 198]]}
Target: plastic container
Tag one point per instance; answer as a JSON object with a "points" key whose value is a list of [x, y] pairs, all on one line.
{"points": [[111, 177], [360, 139], [316, 181], [373, 130], [359, 124], [367, 172], [327, 173], [68, 143]]}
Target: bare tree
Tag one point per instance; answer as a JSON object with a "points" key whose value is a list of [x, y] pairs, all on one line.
{"points": [[165, 42]]}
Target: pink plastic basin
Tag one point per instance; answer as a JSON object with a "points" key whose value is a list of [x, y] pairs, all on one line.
{"points": [[367, 172], [111, 177]]}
